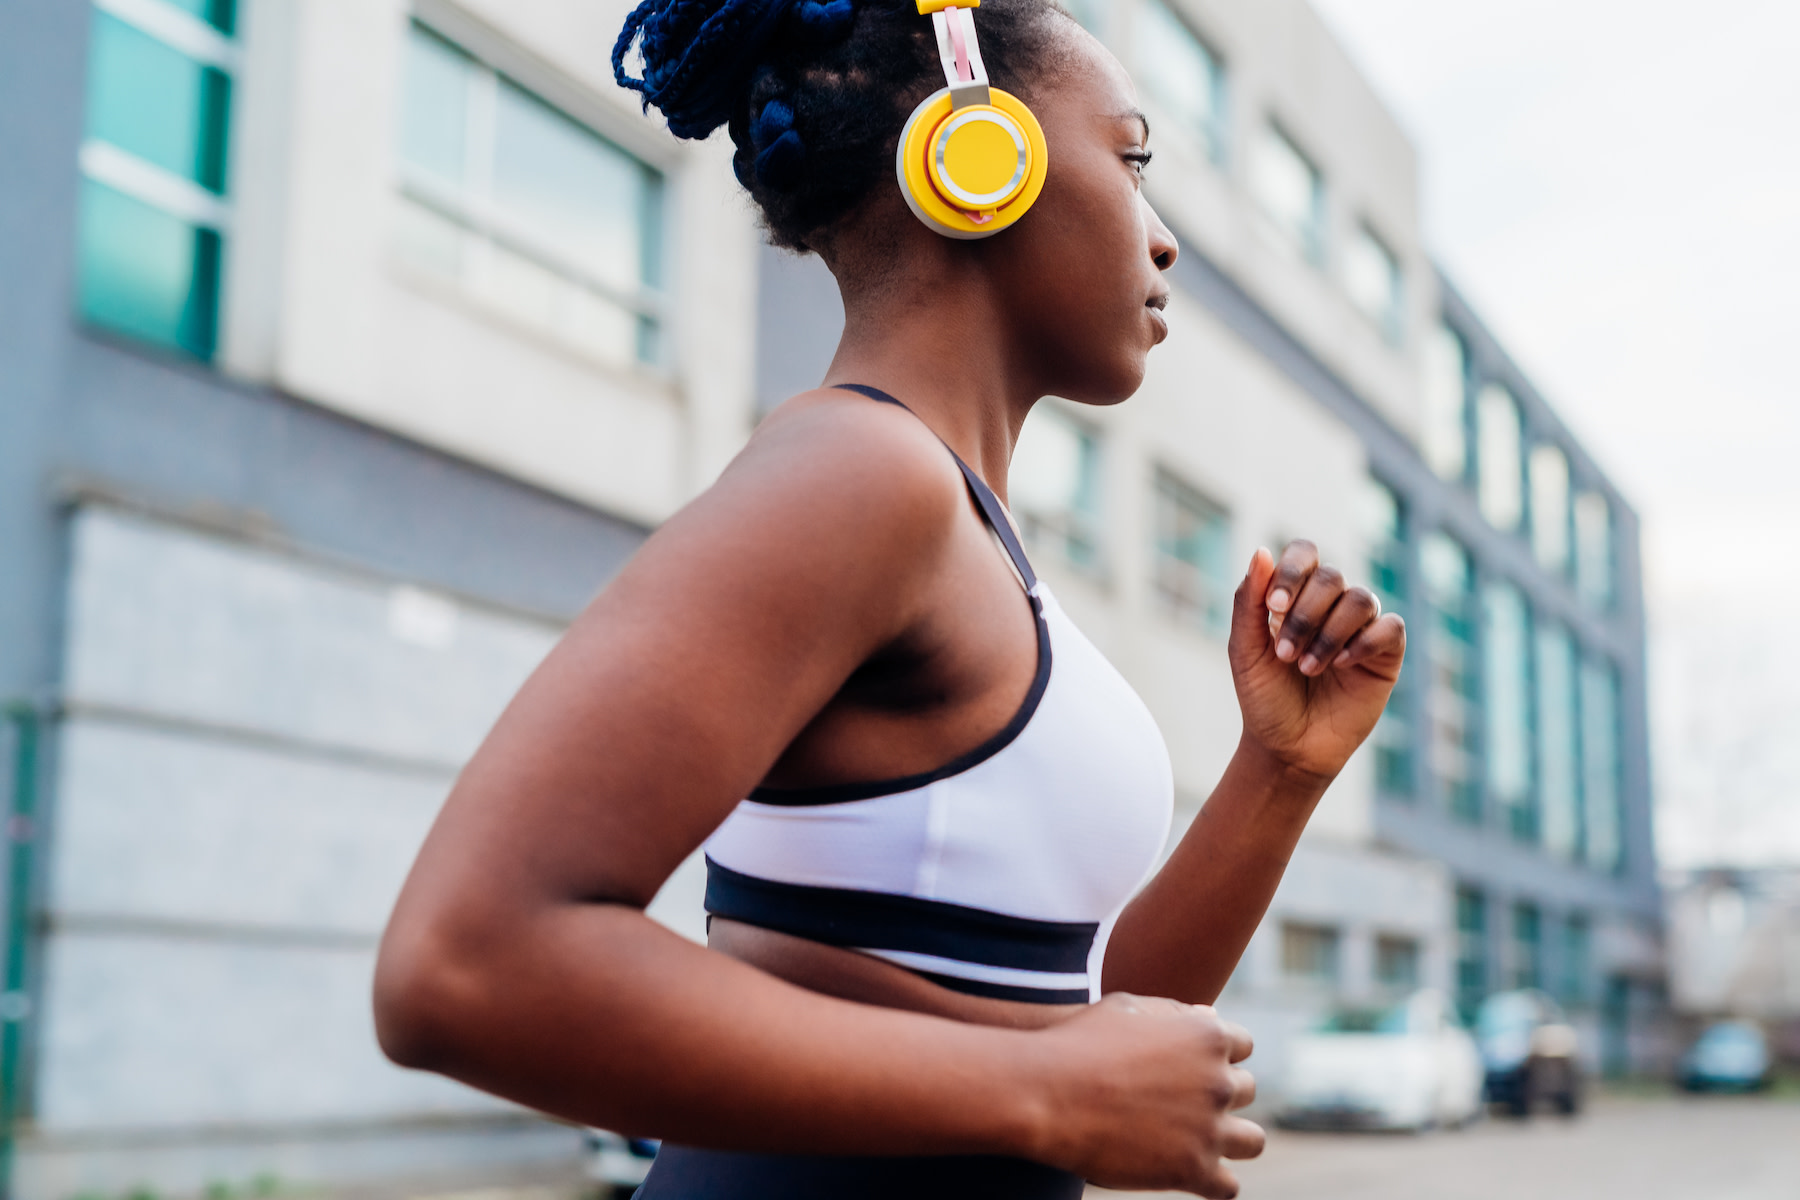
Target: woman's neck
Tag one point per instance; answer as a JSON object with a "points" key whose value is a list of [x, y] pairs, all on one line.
{"points": [[945, 352]]}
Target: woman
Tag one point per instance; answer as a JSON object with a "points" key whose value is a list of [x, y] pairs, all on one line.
{"points": [[952, 796]]}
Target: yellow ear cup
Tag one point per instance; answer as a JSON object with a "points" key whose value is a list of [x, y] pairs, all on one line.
{"points": [[971, 172]]}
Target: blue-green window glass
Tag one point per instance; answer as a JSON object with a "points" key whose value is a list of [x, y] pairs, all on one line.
{"points": [[1573, 970], [150, 253], [434, 108], [555, 204], [1447, 579], [1600, 765], [1290, 191], [1594, 550], [157, 104], [147, 274], [1507, 701], [1054, 483], [1558, 749], [1528, 946], [1193, 555], [1471, 950], [1394, 737], [1181, 74]]}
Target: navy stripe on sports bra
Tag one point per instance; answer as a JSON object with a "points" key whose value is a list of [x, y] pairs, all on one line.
{"points": [[995, 516]]}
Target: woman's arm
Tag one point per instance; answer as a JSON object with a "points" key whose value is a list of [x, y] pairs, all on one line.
{"points": [[1311, 692], [519, 958]]}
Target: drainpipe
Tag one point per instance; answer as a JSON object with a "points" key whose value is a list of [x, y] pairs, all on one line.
{"points": [[15, 998]]}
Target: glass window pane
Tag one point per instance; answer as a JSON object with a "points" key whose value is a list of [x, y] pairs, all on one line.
{"points": [[1309, 952], [1508, 704], [1600, 765], [1290, 191], [1593, 549], [1528, 947], [220, 14], [147, 274], [1180, 73], [1576, 949], [434, 111], [1193, 576], [1445, 436], [1091, 13], [1372, 281], [1448, 585], [570, 188], [1499, 443], [1550, 508], [1054, 484], [1385, 533], [1471, 950], [156, 103], [1558, 751], [1397, 962]]}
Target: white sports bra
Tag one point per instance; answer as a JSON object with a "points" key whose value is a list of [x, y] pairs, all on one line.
{"points": [[1001, 872]]}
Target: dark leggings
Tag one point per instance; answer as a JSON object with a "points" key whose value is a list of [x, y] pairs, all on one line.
{"points": [[683, 1173]]}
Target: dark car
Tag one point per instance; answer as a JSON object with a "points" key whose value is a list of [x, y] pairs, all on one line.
{"points": [[1730, 1056], [1529, 1050]]}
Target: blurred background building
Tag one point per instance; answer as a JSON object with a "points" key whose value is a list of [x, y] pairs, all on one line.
{"points": [[349, 347]]}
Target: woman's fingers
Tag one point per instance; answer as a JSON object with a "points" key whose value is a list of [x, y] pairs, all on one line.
{"points": [[1384, 637], [1292, 569], [1240, 1138], [1243, 1088], [1307, 616], [1348, 617]]}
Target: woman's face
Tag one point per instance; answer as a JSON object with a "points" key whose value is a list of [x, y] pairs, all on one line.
{"points": [[1083, 269]]}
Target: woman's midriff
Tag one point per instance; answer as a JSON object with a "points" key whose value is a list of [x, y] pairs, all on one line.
{"points": [[849, 975]]}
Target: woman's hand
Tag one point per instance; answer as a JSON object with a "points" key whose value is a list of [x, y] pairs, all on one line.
{"points": [[1144, 1096], [1313, 660]]}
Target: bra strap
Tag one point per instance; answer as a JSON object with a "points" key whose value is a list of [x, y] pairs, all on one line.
{"points": [[989, 503]]}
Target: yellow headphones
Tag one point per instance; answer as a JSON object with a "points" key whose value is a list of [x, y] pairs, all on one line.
{"points": [[972, 158]]}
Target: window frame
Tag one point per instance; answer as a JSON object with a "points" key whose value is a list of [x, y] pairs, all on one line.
{"points": [[1391, 322], [1310, 242], [476, 213], [1214, 134], [1212, 612]]}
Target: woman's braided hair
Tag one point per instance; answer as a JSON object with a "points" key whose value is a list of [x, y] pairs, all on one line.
{"points": [[814, 92]]}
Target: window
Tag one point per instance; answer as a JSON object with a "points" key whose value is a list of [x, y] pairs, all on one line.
{"points": [[154, 172], [1550, 508], [1309, 952], [1507, 673], [1055, 487], [526, 209], [1373, 281], [1291, 192], [1445, 440], [1559, 783], [1385, 531], [1528, 947], [1499, 440], [1397, 962], [1181, 74], [1573, 973], [1593, 550], [1449, 600], [1600, 766], [1193, 556], [1471, 950]]}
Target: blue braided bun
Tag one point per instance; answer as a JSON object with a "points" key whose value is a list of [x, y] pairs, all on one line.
{"points": [[814, 92], [699, 55]]}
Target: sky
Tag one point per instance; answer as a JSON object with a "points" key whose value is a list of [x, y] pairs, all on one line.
{"points": [[1616, 188]]}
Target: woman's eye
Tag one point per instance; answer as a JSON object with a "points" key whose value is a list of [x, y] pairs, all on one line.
{"points": [[1139, 159]]}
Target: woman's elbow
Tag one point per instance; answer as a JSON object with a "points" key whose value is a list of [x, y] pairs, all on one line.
{"points": [[420, 1001]]}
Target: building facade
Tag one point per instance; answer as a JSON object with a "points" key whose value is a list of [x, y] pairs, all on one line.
{"points": [[350, 347]]}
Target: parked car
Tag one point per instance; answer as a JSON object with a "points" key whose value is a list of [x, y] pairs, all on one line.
{"points": [[1411, 1066], [618, 1164], [1729, 1056], [1530, 1052]]}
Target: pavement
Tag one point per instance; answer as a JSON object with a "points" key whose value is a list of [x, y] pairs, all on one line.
{"points": [[1662, 1147]]}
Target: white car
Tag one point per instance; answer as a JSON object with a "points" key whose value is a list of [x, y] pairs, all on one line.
{"points": [[1412, 1066]]}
